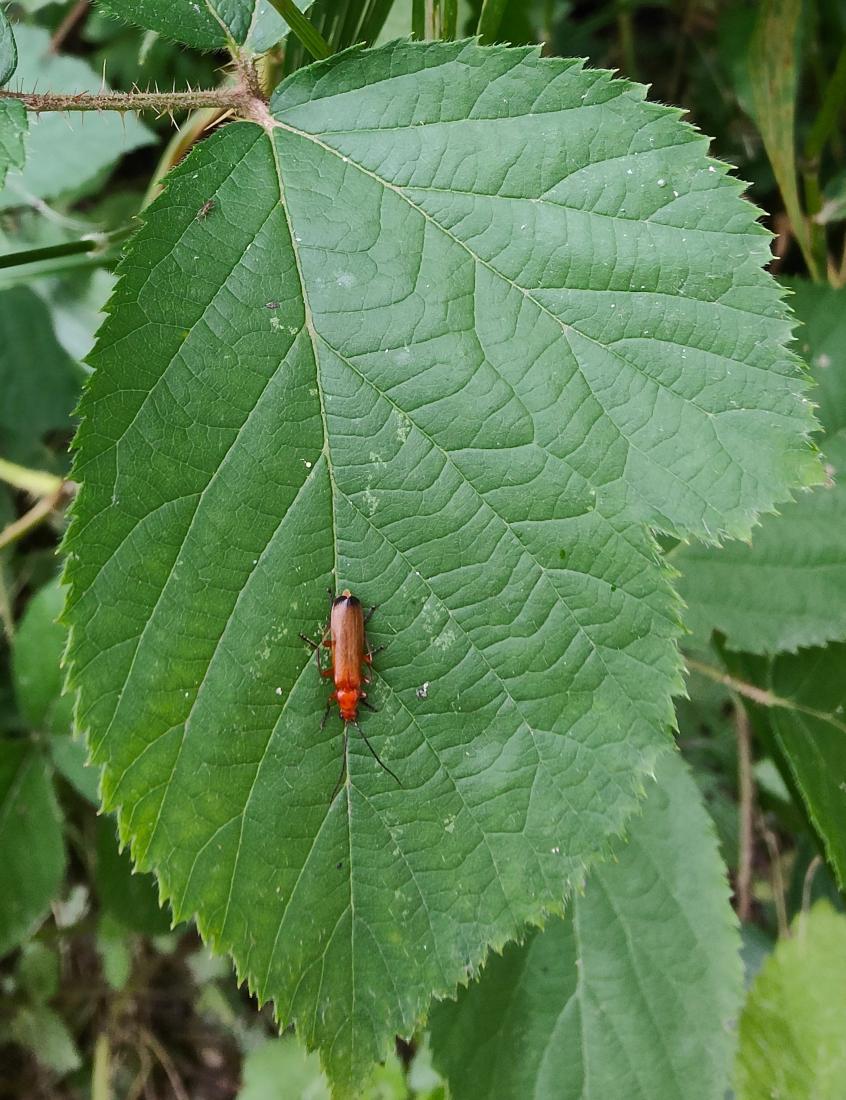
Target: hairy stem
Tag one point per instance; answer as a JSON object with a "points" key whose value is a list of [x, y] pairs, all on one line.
{"points": [[161, 102]]}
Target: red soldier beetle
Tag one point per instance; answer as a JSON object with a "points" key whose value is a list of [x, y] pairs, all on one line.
{"points": [[345, 638]]}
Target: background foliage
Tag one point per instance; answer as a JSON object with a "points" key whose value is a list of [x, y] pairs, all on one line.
{"points": [[636, 988]]}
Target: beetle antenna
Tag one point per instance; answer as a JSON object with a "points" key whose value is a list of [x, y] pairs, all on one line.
{"points": [[376, 756]]}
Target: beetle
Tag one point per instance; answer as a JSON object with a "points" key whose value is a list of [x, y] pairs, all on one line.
{"points": [[345, 638]]}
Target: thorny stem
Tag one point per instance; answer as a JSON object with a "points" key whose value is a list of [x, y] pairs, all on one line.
{"points": [[746, 810], [235, 98]]}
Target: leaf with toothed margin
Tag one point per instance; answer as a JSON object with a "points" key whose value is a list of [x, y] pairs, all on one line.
{"points": [[633, 994], [460, 324], [207, 24]]}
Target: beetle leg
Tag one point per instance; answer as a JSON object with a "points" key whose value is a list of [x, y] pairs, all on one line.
{"points": [[325, 717], [366, 703], [368, 615], [310, 641]]}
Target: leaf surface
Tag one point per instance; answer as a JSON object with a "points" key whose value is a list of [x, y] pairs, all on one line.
{"points": [[793, 1027], [36, 663], [465, 321], [13, 127], [207, 24], [8, 49], [65, 156], [39, 381], [788, 587], [633, 994], [32, 857]]}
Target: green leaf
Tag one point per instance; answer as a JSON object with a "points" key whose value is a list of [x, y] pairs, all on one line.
{"points": [[212, 24], [32, 857], [66, 156], [788, 588], [38, 971], [115, 950], [281, 1067], [36, 663], [809, 725], [8, 49], [70, 757], [774, 76], [129, 898], [45, 1034], [39, 381], [13, 128], [793, 1027], [447, 348], [632, 995]]}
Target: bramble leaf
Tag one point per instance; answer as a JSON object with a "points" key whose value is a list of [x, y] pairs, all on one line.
{"points": [[209, 24], [13, 127], [632, 994], [788, 587], [459, 323], [32, 857], [65, 156], [793, 1029], [8, 49]]}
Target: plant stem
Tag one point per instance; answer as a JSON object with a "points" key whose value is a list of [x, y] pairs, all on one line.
{"points": [[747, 813], [305, 31], [777, 881], [37, 514], [35, 482], [759, 695], [93, 242], [161, 102], [101, 1088], [77, 12]]}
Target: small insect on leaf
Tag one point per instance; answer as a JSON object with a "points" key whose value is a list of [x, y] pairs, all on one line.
{"points": [[206, 209], [344, 636]]}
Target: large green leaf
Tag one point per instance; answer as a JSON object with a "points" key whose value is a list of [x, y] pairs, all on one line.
{"points": [[39, 381], [788, 587], [31, 850], [458, 324], [65, 155], [209, 24], [632, 995], [793, 1027]]}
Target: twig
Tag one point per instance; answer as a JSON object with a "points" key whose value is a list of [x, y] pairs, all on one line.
{"points": [[777, 880], [746, 810], [35, 482], [808, 882], [77, 12], [37, 514], [164, 1060]]}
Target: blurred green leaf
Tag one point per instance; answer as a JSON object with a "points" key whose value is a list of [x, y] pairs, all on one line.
{"points": [[39, 381], [32, 857], [113, 944], [214, 24], [787, 588], [280, 1067], [65, 153], [633, 994], [36, 663], [13, 129], [810, 732], [130, 898], [773, 61], [45, 1034], [70, 756], [38, 971], [793, 1026], [8, 50]]}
